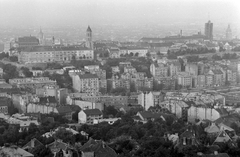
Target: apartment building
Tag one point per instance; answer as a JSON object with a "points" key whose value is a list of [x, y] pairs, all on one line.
{"points": [[159, 70], [184, 79], [32, 83], [45, 54], [86, 83]]}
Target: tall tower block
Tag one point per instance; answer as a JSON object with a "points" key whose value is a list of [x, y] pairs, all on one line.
{"points": [[89, 42], [209, 30]]}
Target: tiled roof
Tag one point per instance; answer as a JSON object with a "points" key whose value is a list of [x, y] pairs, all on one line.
{"points": [[20, 151], [32, 143], [222, 111], [92, 112], [58, 144], [99, 148], [87, 76], [222, 137]]}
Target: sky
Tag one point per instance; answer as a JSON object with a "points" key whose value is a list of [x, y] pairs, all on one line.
{"points": [[51, 13]]}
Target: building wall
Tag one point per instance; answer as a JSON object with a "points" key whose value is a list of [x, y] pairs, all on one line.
{"points": [[82, 117], [202, 113], [36, 108]]}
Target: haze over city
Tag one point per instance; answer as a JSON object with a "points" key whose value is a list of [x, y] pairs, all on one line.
{"points": [[48, 13]]}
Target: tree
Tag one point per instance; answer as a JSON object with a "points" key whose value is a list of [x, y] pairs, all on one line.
{"points": [[13, 58], [65, 135], [109, 111], [41, 151], [26, 72]]}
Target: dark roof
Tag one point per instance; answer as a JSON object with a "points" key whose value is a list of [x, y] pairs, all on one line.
{"points": [[92, 112], [89, 29], [100, 148], [11, 90], [49, 99], [75, 107], [161, 44], [32, 143], [217, 71], [187, 134], [50, 48], [28, 39], [87, 76], [58, 144], [222, 111], [64, 109]]}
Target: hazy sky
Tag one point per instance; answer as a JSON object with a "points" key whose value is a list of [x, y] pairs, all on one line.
{"points": [[48, 13]]}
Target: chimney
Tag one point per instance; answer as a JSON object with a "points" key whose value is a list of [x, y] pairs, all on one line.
{"points": [[32, 142]]}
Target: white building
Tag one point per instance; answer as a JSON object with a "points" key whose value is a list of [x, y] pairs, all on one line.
{"points": [[88, 116]]}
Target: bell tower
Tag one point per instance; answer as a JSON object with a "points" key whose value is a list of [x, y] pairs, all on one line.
{"points": [[89, 43]]}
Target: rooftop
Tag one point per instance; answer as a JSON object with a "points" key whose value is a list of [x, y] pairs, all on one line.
{"points": [[51, 48], [92, 112], [87, 76]]}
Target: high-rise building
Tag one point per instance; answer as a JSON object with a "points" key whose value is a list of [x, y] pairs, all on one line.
{"points": [[89, 42], [229, 33], [209, 30]]}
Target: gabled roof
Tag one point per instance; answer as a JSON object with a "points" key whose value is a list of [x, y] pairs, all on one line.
{"points": [[99, 148], [92, 112], [222, 137], [217, 71], [32, 143], [58, 144], [222, 111], [20, 151]]}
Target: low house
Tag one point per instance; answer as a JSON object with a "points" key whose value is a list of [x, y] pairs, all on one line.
{"points": [[97, 148], [222, 138], [14, 151], [88, 116], [187, 138], [59, 148], [212, 129], [32, 144]]}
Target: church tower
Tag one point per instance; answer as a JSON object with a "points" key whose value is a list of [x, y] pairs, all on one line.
{"points": [[229, 33], [89, 42], [41, 37]]}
